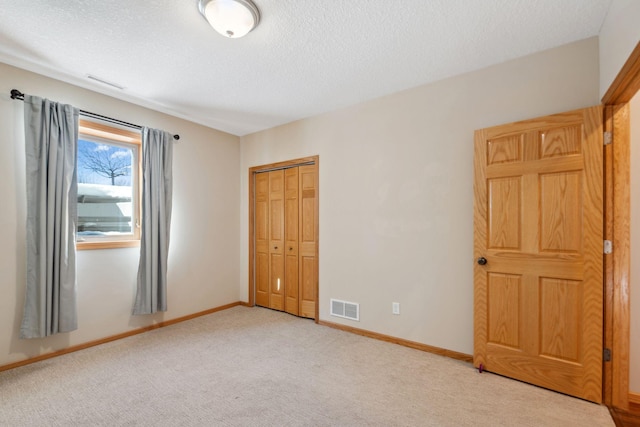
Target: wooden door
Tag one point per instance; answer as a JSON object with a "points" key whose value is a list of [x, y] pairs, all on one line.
{"points": [[276, 240], [291, 303], [261, 231], [308, 275], [538, 227], [283, 228]]}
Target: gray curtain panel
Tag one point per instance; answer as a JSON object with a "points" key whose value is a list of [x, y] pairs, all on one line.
{"points": [[157, 160], [51, 137]]}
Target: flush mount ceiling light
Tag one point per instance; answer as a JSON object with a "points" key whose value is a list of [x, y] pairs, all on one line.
{"points": [[231, 18]]}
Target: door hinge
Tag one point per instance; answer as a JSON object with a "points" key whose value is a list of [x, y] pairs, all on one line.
{"points": [[608, 138], [606, 355], [608, 247]]}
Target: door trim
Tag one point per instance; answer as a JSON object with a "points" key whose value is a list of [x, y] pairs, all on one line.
{"points": [[252, 250], [627, 82], [617, 265], [617, 216]]}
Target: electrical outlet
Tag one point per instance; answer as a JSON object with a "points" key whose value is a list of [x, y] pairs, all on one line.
{"points": [[395, 308]]}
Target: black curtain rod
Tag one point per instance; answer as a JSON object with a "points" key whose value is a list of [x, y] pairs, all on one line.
{"points": [[16, 94]]}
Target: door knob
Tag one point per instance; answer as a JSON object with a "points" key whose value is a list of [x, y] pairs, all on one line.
{"points": [[275, 247], [482, 260], [290, 248]]}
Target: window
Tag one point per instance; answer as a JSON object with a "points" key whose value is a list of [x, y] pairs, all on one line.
{"points": [[108, 187]]}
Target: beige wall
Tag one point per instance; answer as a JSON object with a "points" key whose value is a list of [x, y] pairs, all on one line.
{"points": [[634, 383], [203, 256], [395, 201], [618, 37], [396, 195]]}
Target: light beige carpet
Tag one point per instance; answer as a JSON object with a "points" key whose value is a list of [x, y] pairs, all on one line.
{"points": [[257, 367]]}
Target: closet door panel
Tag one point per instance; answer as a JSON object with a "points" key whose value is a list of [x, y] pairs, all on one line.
{"points": [[262, 239], [291, 240], [308, 240], [276, 239]]}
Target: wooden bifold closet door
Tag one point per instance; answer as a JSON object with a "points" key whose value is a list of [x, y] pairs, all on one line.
{"points": [[285, 240]]}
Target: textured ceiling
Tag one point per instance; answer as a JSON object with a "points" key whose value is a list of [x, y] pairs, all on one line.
{"points": [[305, 58]]}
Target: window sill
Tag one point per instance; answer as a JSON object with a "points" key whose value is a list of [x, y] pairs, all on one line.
{"points": [[114, 244]]}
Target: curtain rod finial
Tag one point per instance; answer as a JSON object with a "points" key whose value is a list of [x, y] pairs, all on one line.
{"points": [[16, 94], [176, 137]]}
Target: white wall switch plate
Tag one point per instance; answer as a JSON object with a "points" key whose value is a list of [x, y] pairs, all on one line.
{"points": [[395, 308]]}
